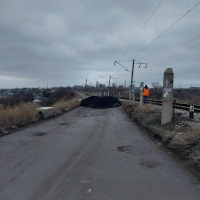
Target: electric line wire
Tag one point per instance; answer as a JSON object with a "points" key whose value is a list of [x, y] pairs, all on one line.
{"points": [[186, 67], [140, 31], [173, 50], [141, 41], [178, 53], [155, 23], [167, 29]]}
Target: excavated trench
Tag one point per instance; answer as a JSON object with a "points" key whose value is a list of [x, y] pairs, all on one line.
{"points": [[100, 102]]}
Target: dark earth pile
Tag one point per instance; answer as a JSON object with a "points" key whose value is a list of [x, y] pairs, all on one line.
{"points": [[100, 102]]}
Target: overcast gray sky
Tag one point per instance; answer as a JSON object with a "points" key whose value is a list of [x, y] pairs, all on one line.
{"points": [[62, 42]]}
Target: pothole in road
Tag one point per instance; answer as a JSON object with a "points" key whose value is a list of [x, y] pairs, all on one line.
{"points": [[63, 123], [40, 133], [136, 150], [126, 149], [149, 164]]}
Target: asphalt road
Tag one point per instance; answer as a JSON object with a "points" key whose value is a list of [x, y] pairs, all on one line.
{"points": [[75, 157]]}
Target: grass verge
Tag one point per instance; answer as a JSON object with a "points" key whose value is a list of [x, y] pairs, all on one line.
{"points": [[24, 114], [19, 115], [64, 105], [181, 136]]}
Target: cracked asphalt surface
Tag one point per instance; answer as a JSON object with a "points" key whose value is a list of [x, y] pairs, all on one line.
{"points": [[75, 156]]}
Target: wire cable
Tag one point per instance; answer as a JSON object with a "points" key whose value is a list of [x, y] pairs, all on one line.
{"points": [[140, 31], [186, 67], [178, 53], [167, 29], [173, 50]]}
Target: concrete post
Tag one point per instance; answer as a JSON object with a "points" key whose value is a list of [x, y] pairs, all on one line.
{"points": [[133, 93], [118, 95], [129, 93], [167, 96], [141, 92]]}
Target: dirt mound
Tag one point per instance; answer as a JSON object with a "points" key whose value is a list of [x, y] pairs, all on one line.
{"points": [[100, 102]]}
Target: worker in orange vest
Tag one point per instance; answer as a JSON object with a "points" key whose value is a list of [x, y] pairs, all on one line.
{"points": [[145, 94]]}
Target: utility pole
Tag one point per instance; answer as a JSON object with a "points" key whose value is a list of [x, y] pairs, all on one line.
{"points": [[109, 81], [132, 82], [132, 95]]}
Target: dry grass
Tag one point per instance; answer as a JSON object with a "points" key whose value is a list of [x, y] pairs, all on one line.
{"points": [[23, 114], [144, 114], [190, 100], [64, 105], [191, 137], [184, 141], [19, 115]]}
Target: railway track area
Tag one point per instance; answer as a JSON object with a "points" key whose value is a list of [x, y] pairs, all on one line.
{"points": [[182, 106]]}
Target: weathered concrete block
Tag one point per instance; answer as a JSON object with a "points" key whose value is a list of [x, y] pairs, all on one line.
{"points": [[46, 112]]}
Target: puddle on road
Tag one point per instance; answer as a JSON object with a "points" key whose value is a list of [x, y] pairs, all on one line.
{"points": [[40, 133]]}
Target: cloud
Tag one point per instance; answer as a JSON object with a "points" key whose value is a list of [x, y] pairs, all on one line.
{"points": [[62, 42]]}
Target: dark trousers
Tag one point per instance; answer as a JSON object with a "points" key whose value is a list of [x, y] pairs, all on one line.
{"points": [[145, 99]]}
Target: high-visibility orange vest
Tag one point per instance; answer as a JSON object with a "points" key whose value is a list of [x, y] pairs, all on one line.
{"points": [[146, 92]]}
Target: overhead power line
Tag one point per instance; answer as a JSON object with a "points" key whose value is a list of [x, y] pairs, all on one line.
{"points": [[140, 31], [167, 29], [173, 50], [178, 53], [187, 67]]}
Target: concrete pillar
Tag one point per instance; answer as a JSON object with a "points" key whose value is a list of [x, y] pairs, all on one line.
{"points": [[141, 92], [133, 93], [129, 93], [167, 96], [118, 95]]}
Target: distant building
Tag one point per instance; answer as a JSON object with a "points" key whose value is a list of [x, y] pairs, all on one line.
{"points": [[194, 88], [78, 87], [98, 84]]}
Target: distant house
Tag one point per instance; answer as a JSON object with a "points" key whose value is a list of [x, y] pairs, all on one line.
{"points": [[38, 97], [194, 88], [77, 87]]}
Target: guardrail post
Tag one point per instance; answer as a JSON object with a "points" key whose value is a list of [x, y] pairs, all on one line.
{"points": [[167, 96]]}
